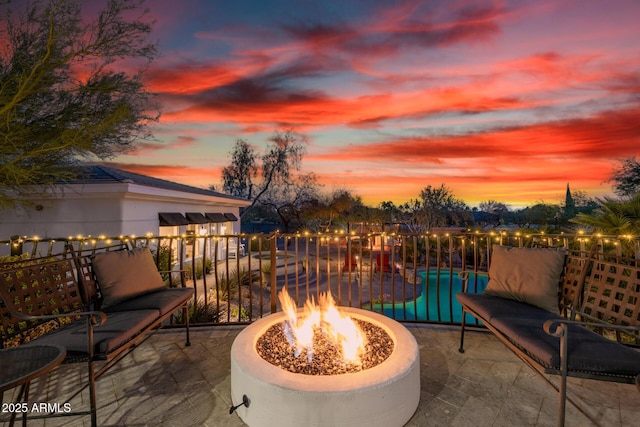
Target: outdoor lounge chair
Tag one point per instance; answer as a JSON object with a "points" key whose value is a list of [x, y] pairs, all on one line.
{"points": [[350, 262], [234, 250], [382, 263]]}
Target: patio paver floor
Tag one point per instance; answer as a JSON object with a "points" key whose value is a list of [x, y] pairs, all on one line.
{"points": [[163, 383]]}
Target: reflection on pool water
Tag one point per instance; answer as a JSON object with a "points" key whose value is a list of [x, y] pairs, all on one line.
{"points": [[435, 303]]}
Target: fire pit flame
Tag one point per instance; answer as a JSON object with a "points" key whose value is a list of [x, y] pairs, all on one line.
{"points": [[300, 327]]}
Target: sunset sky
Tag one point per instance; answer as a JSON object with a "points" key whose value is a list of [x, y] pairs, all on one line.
{"points": [[504, 100]]}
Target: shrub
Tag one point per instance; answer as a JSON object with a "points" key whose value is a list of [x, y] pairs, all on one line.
{"points": [[161, 256], [227, 284], [266, 268], [241, 314], [199, 312], [255, 245], [200, 271], [13, 258]]}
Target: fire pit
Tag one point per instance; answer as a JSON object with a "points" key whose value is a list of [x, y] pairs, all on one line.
{"points": [[385, 394]]}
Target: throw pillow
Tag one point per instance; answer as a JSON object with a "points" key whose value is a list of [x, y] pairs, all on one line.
{"points": [[530, 275], [125, 274]]}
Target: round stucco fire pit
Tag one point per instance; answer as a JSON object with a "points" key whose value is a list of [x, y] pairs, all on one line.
{"points": [[384, 395]]}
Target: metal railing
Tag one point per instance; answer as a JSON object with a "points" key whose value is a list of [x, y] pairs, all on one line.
{"points": [[409, 277]]}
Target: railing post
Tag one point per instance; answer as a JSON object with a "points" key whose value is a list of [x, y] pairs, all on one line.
{"points": [[16, 245], [273, 247], [194, 276]]}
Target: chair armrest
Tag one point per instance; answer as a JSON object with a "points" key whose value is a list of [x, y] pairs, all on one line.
{"points": [[561, 326], [560, 331], [97, 317]]}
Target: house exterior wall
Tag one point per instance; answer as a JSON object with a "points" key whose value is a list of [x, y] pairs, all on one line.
{"points": [[63, 215], [110, 209]]}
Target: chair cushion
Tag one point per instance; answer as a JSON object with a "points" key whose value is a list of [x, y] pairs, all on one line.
{"points": [[119, 328], [125, 274], [489, 307], [165, 301], [587, 351], [530, 275]]}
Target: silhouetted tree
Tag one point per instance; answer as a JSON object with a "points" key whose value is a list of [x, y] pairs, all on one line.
{"points": [[337, 208], [495, 212], [569, 204], [389, 213], [626, 177], [239, 175], [436, 207], [290, 198], [279, 172], [540, 215]]}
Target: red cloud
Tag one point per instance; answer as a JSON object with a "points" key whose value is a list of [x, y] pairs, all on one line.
{"points": [[614, 133]]}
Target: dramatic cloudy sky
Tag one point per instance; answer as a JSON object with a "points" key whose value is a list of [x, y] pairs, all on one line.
{"points": [[507, 100]]}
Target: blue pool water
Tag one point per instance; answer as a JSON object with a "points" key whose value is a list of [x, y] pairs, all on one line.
{"points": [[435, 303]]}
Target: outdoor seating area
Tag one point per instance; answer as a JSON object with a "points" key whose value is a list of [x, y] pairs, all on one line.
{"points": [[103, 306], [165, 383], [522, 307]]}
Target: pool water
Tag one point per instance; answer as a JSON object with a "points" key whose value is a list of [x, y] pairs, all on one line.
{"points": [[435, 303]]}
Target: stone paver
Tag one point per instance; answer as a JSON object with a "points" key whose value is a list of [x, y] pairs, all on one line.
{"points": [[163, 383]]}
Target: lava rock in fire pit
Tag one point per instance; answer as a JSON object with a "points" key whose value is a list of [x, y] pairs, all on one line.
{"points": [[273, 347]]}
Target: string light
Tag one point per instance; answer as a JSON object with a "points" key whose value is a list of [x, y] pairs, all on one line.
{"points": [[580, 236]]}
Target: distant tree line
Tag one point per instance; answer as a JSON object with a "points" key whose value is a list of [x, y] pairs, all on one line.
{"points": [[282, 195]]}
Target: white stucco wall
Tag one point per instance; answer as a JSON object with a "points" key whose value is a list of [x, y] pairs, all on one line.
{"points": [[110, 209], [66, 214]]}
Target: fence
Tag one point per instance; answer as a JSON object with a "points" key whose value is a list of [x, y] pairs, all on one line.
{"points": [[409, 277]]}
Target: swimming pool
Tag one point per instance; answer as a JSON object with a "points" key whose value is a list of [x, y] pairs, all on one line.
{"points": [[435, 303]]}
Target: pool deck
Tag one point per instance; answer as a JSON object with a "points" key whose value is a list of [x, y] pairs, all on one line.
{"points": [[163, 383]]}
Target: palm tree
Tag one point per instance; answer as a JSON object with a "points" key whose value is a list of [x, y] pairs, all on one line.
{"points": [[614, 216]]}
